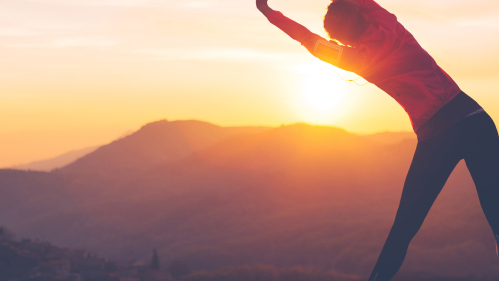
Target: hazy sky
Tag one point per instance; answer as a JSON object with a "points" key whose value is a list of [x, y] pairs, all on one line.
{"points": [[78, 73]]}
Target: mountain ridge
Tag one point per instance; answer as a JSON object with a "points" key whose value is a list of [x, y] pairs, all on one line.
{"points": [[57, 162], [160, 141]]}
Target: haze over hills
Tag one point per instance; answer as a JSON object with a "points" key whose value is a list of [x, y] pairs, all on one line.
{"points": [[392, 137], [56, 162], [157, 142], [213, 196], [59, 161], [65, 159]]}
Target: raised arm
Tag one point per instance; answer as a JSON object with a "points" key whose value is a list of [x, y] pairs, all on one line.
{"points": [[323, 49], [290, 27]]}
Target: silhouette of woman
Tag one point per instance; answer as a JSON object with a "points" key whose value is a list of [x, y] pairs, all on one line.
{"points": [[449, 124]]}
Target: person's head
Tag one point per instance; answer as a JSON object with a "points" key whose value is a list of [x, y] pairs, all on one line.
{"points": [[344, 22]]}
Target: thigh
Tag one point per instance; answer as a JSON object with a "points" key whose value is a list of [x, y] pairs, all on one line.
{"points": [[482, 159], [433, 162]]}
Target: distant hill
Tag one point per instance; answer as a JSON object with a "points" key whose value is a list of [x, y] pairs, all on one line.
{"points": [[157, 142], [56, 162], [392, 137], [60, 161], [297, 195]]}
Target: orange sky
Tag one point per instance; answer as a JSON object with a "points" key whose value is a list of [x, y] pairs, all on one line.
{"points": [[78, 73]]}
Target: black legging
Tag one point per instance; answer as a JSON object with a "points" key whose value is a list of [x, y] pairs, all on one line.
{"points": [[473, 139]]}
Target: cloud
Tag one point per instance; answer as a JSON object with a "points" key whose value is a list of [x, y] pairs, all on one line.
{"points": [[95, 42], [83, 42], [199, 4], [480, 22], [234, 54], [124, 3], [17, 32]]}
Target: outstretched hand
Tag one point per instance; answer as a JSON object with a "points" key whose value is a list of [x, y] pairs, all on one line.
{"points": [[261, 3], [263, 6]]}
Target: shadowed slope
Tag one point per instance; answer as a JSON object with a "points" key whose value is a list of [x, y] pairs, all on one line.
{"points": [[270, 196], [157, 142], [28, 198]]}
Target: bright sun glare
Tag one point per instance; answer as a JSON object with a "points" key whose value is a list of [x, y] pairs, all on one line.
{"points": [[321, 93]]}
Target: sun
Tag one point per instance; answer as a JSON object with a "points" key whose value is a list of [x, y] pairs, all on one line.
{"points": [[321, 93]]}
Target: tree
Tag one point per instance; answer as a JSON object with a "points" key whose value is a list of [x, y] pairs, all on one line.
{"points": [[155, 260]]}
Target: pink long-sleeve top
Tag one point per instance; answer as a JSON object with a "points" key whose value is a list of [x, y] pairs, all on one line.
{"points": [[386, 55]]}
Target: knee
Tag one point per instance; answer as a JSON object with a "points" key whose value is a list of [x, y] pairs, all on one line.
{"points": [[403, 231]]}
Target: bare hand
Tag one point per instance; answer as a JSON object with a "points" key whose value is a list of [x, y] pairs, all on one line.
{"points": [[263, 6], [261, 3]]}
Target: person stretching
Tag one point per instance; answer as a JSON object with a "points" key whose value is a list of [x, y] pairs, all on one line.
{"points": [[450, 125]]}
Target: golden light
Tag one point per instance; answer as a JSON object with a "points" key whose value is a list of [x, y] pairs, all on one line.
{"points": [[321, 94]]}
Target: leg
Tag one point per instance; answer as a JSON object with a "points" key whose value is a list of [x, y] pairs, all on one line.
{"points": [[433, 162], [482, 159]]}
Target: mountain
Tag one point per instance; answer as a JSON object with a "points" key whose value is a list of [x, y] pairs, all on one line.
{"points": [[391, 137], [56, 162], [255, 198], [157, 142], [296, 195]]}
